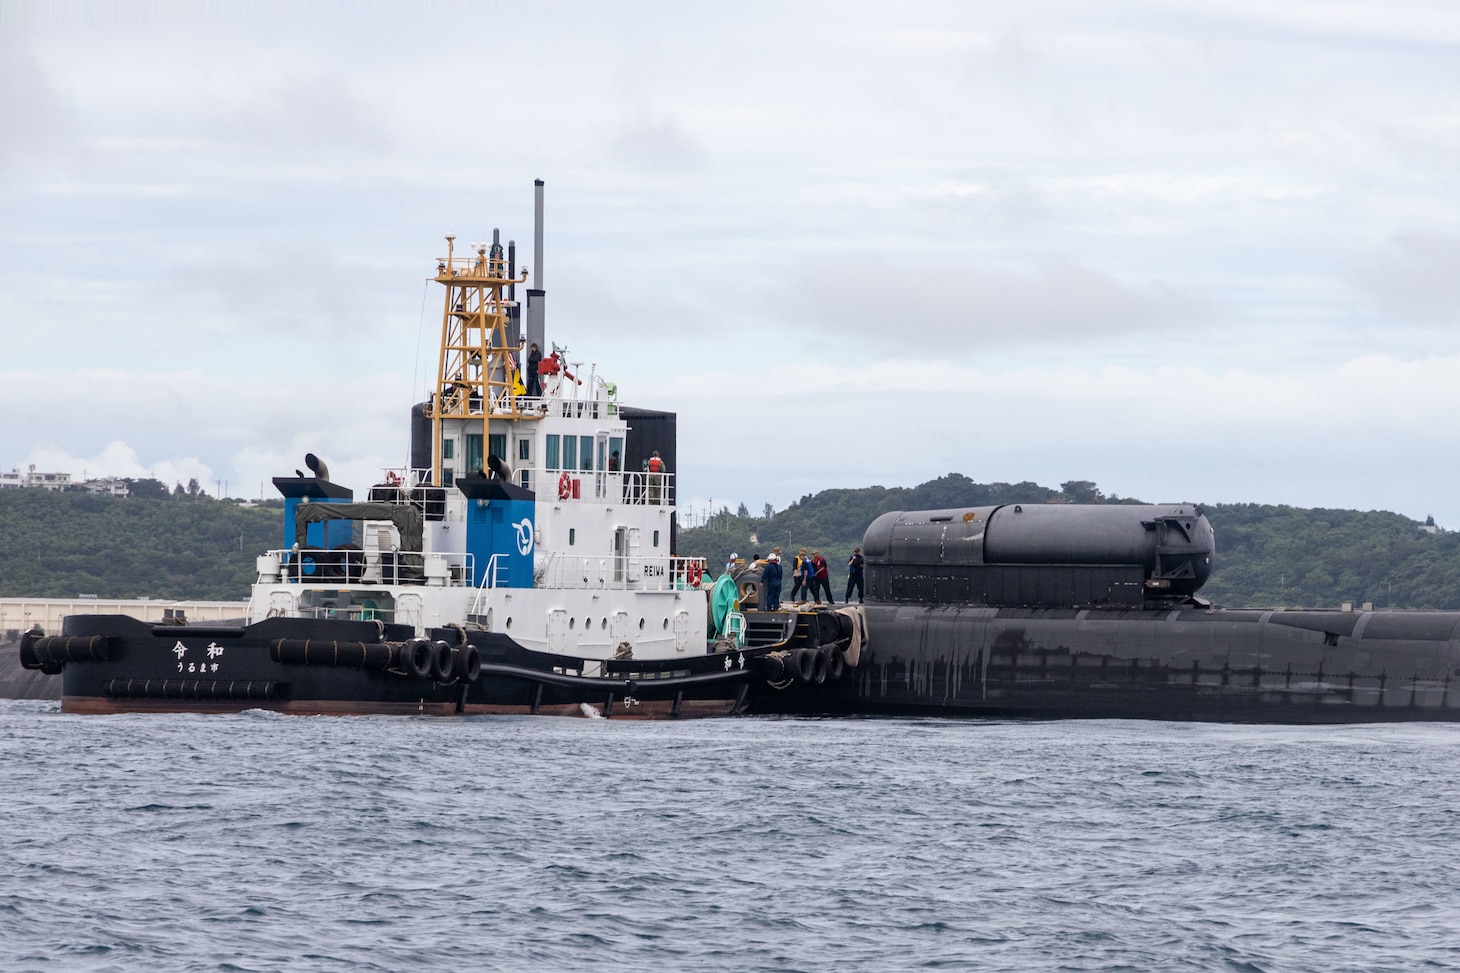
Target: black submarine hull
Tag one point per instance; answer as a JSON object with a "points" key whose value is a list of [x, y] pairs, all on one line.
{"points": [[1055, 612], [1214, 665]]}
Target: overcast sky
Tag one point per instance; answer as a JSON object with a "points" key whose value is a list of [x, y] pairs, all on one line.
{"points": [[1202, 251]]}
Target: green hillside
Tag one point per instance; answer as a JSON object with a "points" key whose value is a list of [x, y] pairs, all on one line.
{"points": [[59, 545], [1266, 555], [192, 546]]}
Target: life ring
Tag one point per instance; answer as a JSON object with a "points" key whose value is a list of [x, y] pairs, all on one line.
{"points": [[694, 574], [565, 486]]}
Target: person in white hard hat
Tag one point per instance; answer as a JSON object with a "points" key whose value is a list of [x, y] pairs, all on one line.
{"points": [[730, 564]]}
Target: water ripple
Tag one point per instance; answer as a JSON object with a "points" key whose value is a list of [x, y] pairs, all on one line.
{"points": [[259, 842]]}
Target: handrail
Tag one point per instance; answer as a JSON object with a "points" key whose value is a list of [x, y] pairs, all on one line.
{"points": [[634, 487], [319, 566], [625, 573], [605, 572]]}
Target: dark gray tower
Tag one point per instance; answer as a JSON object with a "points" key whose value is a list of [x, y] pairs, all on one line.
{"points": [[536, 295]]}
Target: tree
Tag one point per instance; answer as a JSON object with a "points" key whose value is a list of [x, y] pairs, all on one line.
{"points": [[768, 511], [743, 511], [193, 487], [147, 488], [1082, 491]]}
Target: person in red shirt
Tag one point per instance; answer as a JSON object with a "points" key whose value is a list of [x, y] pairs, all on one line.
{"points": [[821, 580]]}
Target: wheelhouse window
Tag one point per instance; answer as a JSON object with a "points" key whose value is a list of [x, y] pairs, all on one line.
{"points": [[473, 452], [550, 460], [570, 452], [585, 451], [448, 449]]}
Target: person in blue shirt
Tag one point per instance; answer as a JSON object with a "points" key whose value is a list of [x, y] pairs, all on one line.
{"points": [[770, 583]]}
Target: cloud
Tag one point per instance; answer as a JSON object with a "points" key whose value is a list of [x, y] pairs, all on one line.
{"points": [[653, 142], [244, 428], [1361, 435], [34, 118], [301, 116], [1416, 276], [275, 290], [1058, 300], [119, 459]]}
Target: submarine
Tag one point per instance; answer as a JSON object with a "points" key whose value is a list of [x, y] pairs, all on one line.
{"points": [[1092, 611]]}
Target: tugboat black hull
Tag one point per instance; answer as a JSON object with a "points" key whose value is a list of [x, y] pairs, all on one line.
{"points": [[117, 664]]}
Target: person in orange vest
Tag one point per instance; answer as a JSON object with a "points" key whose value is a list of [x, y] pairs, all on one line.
{"points": [[656, 478]]}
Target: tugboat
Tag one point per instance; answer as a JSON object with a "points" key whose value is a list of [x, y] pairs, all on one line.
{"points": [[522, 562]]}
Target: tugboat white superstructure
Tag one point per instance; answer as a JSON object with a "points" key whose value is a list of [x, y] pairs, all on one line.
{"points": [[522, 562]]}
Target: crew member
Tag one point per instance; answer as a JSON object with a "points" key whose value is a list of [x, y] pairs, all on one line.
{"points": [[821, 580], [854, 574], [770, 583], [801, 576], [534, 361], [656, 476]]}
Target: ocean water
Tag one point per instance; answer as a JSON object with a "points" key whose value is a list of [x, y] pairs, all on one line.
{"points": [[263, 842]]}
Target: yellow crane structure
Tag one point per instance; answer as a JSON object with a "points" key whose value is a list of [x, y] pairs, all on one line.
{"points": [[478, 376]]}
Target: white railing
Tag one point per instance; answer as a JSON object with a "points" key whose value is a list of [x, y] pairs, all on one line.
{"points": [[348, 566], [607, 486], [495, 572], [622, 572], [559, 407]]}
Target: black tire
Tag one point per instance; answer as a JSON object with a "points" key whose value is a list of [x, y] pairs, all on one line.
{"points": [[468, 663], [803, 665], [773, 668], [822, 662], [351, 562], [443, 662], [836, 664], [415, 658]]}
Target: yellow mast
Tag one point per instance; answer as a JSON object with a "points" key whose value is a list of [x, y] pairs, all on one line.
{"points": [[475, 378]]}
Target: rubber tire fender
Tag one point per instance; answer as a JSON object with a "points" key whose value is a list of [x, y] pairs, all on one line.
{"points": [[822, 662], [836, 663], [468, 663], [803, 666], [415, 658], [443, 662]]}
